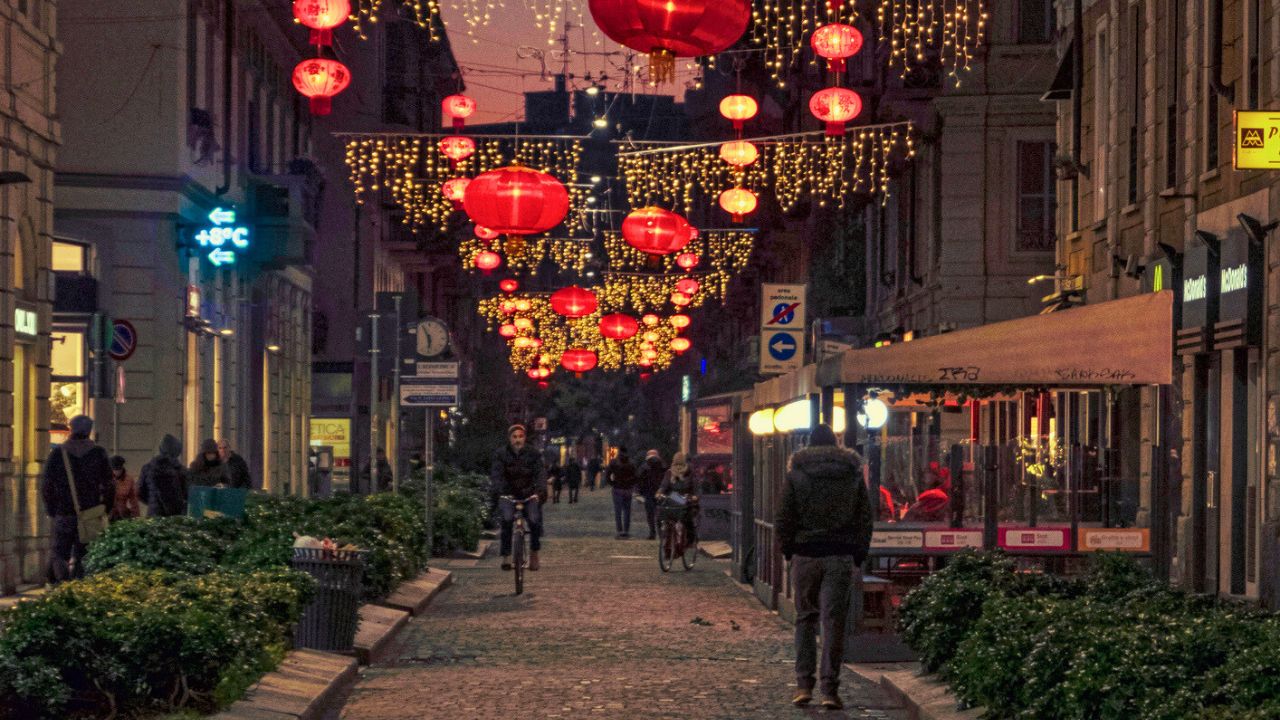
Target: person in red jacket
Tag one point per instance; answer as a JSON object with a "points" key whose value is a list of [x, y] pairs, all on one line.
{"points": [[933, 504]]}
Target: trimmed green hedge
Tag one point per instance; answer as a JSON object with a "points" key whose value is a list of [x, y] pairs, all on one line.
{"points": [[1113, 645], [461, 507]]}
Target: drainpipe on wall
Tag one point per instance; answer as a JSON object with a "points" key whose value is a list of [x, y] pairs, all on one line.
{"points": [[229, 40]]}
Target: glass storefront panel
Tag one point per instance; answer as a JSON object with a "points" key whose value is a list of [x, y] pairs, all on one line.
{"points": [[68, 391]]}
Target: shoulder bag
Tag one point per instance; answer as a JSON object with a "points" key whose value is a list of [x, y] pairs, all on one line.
{"points": [[90, 522]]}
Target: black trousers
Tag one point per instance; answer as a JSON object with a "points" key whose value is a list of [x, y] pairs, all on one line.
{"points": [[65, 562]]}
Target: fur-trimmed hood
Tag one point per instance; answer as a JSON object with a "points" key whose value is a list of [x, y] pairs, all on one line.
{"points": [[825, 460]]}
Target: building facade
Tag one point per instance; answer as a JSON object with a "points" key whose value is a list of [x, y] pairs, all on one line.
{"points": [[29, 135], [186, 122]]}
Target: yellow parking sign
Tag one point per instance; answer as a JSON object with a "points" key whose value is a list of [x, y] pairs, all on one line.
{"points": [[1257, 145]]}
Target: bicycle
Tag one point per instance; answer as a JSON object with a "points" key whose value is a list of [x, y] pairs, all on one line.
{"points": [[519, 529], [672, 540]]}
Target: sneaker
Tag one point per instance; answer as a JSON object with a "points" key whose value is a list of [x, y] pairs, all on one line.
{"points": [[832, 701], [802, 697]]}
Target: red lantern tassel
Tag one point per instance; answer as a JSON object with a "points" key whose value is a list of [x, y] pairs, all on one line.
{"points": [[459, 123], [836, 65], [323, 38], [738, 218], [835, 129], [321, 105]]}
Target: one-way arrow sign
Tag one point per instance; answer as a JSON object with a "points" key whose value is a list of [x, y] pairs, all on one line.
{"points": [[222, 257], [222, 216]]}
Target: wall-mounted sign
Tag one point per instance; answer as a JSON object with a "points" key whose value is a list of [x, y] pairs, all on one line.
{"points": [[224, 239], [1037, 538], [1200, 281], [124, 340], [1257, 145], [952, 539], [428, 392], [25, 322], [1240, 284], [1115, 539]]}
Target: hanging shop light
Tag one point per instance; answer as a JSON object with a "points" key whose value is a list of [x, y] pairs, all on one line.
{"points": [[761, 422]]}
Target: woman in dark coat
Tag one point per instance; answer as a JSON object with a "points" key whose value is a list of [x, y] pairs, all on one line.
{"points": [[208, 468], [163, 482]]}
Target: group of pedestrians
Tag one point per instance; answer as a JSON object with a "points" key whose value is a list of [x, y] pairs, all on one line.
{"points": [[80, 476]]}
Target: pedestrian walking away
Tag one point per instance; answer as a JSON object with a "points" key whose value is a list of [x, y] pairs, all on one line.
{"points": [[82, 462], [384, 474], [824, 528], [573, 478], [650, 478], [163, 483], [621, 476], [237, 469], [593, 473], [517, 472], [125, 504], [556, 474], [208, 469]]}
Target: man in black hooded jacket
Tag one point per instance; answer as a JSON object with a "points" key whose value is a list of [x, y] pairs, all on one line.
{"points": [[824, 526], [517, 471], [91, 469]]}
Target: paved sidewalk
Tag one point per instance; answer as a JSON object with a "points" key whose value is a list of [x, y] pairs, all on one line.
{"points": [[600, 632]]}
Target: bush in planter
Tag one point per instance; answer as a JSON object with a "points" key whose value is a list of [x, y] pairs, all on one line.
{"points": [[987, 667], [129, 640], [180, 544]]}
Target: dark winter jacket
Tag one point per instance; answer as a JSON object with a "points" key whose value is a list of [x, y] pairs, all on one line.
{"points": [[650, 476], [163, 483], [683, 484], [92, 471], [621, 474], [573, 474], [384, 476], [518, 474], [825, 508], [238, 472], [208, 472]]}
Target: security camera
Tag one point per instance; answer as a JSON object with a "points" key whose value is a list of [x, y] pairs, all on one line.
{"points": [[1256, 231]]}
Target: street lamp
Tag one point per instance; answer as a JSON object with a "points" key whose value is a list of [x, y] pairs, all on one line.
{"points": [[601, 122]]}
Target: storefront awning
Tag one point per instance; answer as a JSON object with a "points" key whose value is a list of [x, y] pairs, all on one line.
{"points": [[785, 388], [1121, 342]]}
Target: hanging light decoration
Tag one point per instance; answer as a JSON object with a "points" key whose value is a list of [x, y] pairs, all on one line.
{"points": [[457, 148], [579, 360], [680, 321], [688, 261], [508, 307], [507, 330], [739, 109], [835, 106], [618, 326], [321, 16], [517, 200], [509, 285], [574, 302], [836, 42], [458, 108], [739, 153], [688, 286], [488, 261], [319, 80], [523, 323], [680, 299], [485, 233], [656, 231], [650, 338], [523, 305], [680, 344], [650, 319], [738, 202], [456, 190], [671, 29]]}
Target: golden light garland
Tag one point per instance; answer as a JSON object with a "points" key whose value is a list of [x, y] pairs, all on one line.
{"points": [[567, 253], [791, 168], [722, 255], [951, 30], [423, 12], [783, 27], [411, 169]]}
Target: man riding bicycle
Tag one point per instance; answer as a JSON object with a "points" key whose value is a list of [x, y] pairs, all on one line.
{"points": [[679, 479], [517, 471]]}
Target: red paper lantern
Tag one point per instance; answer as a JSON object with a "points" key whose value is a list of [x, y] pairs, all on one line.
{"points": [[579, 360], [650, 319], [836, 42], [650, 338], [517, 200], [457, 148], [322, 16], [688, 261], [455, 190], [739, 109], [739, 153], [509, 286], [738, 202], [618, 326], [507, 330], [508, 307], [645, 362], [656, 231], [533, 374], [319, 79], [680, 321], [649, 354], [459, 108], [679, 299], [487, 260], [688, 286], [667, 29], [835, 106], [574, 302], [485, 233], [680, 344], [523, 305], [523, 323]]}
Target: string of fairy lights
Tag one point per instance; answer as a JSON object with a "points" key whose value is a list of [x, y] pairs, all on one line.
{"points": [[951, 30], [791, 168], [782, 29]]}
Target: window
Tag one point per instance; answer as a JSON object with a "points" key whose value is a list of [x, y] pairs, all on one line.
{"points": [[1253, 44], [1173, 71], [1211, 105], [1100, 171], [1135, 103], [1037, 197], [70, 257], [69, 382], [1035, 22]]}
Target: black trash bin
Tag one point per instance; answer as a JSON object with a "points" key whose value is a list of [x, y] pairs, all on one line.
{"points": [[329, 621]]}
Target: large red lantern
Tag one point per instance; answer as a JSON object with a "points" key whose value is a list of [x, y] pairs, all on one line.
{"points": [[656, 231], [488, 260], [455, 190], [836, 42], [835, 106], [688, 286], [618, 326], [457, 148], [322, 16], [739, 109], [458, 108], [579, 360], [517, 200], [319, 79], [688, 261], [738, 202], [667, 29], [574, 302], [739, 153]]}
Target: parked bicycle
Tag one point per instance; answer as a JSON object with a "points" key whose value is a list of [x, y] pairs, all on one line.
{"points": [[677, 531], [519, 530]]}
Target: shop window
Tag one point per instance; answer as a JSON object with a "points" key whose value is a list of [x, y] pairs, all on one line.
{"points": [[70, 257], [68, 390], [1037, 197]]}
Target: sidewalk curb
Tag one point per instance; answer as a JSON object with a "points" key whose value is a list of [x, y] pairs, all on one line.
{"points": [[480, 553], [413, 596], [924, 697], [300, 688], [382, 621]]}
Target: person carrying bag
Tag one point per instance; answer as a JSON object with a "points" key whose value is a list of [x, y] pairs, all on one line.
{"points": [[76, 487]]}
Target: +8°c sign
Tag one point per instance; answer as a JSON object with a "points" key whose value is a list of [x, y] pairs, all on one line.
{"points": [[223, 238]]}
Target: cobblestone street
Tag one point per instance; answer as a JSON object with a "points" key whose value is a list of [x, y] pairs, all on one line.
{"points": [[600, 632]]}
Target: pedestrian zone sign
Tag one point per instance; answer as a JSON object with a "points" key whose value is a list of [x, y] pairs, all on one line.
{"points": [[782, 326]]}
